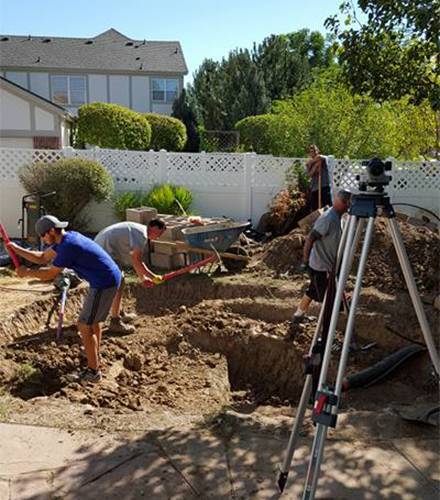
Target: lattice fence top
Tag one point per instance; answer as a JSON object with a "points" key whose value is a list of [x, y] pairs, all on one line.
{"points": [[139, 170]]}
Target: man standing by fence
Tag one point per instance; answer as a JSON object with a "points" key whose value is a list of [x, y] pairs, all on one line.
{"points": [[317, 170]]}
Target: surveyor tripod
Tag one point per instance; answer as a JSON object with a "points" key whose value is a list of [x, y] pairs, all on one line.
{"points": [[366, 206]]}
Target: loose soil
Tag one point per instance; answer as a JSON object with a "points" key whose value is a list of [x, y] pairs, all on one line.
{"points": [[204, 344]]}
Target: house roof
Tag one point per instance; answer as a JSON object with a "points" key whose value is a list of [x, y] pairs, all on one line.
{"points": [[109, 51], [27, 94]]}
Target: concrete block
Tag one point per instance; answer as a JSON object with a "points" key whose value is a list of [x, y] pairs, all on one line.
{"points": [[167, 262], [142, 215], [163, 248]]}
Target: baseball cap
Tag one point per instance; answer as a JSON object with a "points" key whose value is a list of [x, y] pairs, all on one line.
{"points": [[47, 222]]}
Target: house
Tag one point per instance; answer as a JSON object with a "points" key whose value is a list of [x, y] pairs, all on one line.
{"points": [[145, 76], [28, 120]]}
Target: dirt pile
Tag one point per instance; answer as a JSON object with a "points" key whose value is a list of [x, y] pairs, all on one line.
{"points": [[422, 246], [284, 254]]}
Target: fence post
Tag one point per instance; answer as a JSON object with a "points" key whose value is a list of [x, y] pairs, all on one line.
{"points": [[163, 166], [331, 170], [249, 163], [68, 152]]}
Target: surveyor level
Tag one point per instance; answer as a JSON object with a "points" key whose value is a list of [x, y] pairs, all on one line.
{"points": [[364, 209]]}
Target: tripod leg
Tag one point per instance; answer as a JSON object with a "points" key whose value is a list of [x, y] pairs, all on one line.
{"points": [[321, 430], [414, 294], [308, 383], [299, 417], [351, 316]]}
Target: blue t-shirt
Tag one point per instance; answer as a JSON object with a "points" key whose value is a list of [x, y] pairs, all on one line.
{"points": [[87, 259]]}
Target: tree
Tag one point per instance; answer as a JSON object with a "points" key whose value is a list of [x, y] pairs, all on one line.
{"points": [[395, 52], [183, 109], [244, 89], [228, 91], [286, 61], [341, 123]]}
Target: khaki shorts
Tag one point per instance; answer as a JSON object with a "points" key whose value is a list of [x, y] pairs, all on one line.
{"points": [[97, 304]]}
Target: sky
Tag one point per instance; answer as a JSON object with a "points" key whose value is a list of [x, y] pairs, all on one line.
{"points": [[205, 28]]}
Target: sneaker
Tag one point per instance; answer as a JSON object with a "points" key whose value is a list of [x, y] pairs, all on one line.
{"points": [[87, 375], [117, 325], [297, 320], [128, 317]]}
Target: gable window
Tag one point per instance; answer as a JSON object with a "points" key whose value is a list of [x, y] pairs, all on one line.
{"points": [[165, 90], [68, 90]]}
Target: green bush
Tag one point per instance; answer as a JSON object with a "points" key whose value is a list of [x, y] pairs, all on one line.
{"points": [[269, 134], [112, 126], [77, 181], [128, 199], [169, 199], [166, 132]]}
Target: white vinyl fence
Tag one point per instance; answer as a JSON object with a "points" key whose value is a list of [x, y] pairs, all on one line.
{"points": [[238, 185]]}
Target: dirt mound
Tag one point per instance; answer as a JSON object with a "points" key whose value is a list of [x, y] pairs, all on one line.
{"points": [[422, 246], [284, 254]]}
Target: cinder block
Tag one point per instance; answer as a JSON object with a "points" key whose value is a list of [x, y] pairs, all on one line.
{"points": [[163, 248], [167, 262], [142, 215], [170, 233]]}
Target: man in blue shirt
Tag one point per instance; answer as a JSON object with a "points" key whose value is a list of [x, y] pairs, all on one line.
{"points": [[74, 251]]}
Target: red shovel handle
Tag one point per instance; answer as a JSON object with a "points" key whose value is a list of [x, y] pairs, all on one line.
{"points": [[5, 238]]}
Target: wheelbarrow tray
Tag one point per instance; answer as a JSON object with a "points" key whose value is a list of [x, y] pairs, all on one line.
{"points": [[220, 236]]}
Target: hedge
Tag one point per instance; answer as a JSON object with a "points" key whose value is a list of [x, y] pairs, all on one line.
{"points": [[76, 181], [268, 134], [112, 126], [166, 132]]}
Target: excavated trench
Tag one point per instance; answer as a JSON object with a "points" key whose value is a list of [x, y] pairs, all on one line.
{"points": [[199, 345]]}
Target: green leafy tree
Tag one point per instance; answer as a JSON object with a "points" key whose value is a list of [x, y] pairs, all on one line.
{"points": [[394, 53]]}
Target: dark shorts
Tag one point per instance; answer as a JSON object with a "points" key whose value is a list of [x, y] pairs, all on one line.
{"points": [[96, 305], [317, 286], [326, 198]]}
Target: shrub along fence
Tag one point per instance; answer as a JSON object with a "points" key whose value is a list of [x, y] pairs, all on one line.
{"points": [[239, 185]]}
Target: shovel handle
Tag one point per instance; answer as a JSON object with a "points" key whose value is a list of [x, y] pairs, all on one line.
{"points": [[12, 254]]}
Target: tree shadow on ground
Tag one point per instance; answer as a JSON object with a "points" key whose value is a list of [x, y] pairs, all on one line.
{"points": [[235, 458]]}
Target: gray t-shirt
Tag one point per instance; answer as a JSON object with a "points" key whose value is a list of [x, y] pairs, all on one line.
{"points": [[120, 239], [324, 250]]}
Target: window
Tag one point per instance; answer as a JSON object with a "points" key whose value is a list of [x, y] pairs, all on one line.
{"points": [[68, 90], [165, 90]]}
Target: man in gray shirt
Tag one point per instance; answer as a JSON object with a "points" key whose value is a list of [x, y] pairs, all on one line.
{"points": [[320, 252], [128, 245]]}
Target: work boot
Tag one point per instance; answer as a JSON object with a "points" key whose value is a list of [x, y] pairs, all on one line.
{"points": [[117, 325], [87, 375], [128, 317]]}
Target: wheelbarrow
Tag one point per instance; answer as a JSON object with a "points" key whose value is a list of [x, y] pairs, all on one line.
{"points": [[216, 242]]}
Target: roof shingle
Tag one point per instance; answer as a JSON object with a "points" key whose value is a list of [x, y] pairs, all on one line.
{"points": [[109, 51]]}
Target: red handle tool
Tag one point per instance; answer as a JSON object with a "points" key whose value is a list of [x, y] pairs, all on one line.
{"points": [[12, 254], [183, 270]]}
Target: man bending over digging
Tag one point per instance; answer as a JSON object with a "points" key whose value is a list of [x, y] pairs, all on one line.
{"points": [[74, 251], [128, 244]]}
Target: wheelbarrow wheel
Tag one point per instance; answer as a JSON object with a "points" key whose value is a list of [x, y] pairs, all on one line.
{"points": [[232, 265]]}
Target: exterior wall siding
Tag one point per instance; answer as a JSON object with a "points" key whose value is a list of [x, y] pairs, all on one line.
{"points": [[15, 113], [119, 90], [140, 91]]}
